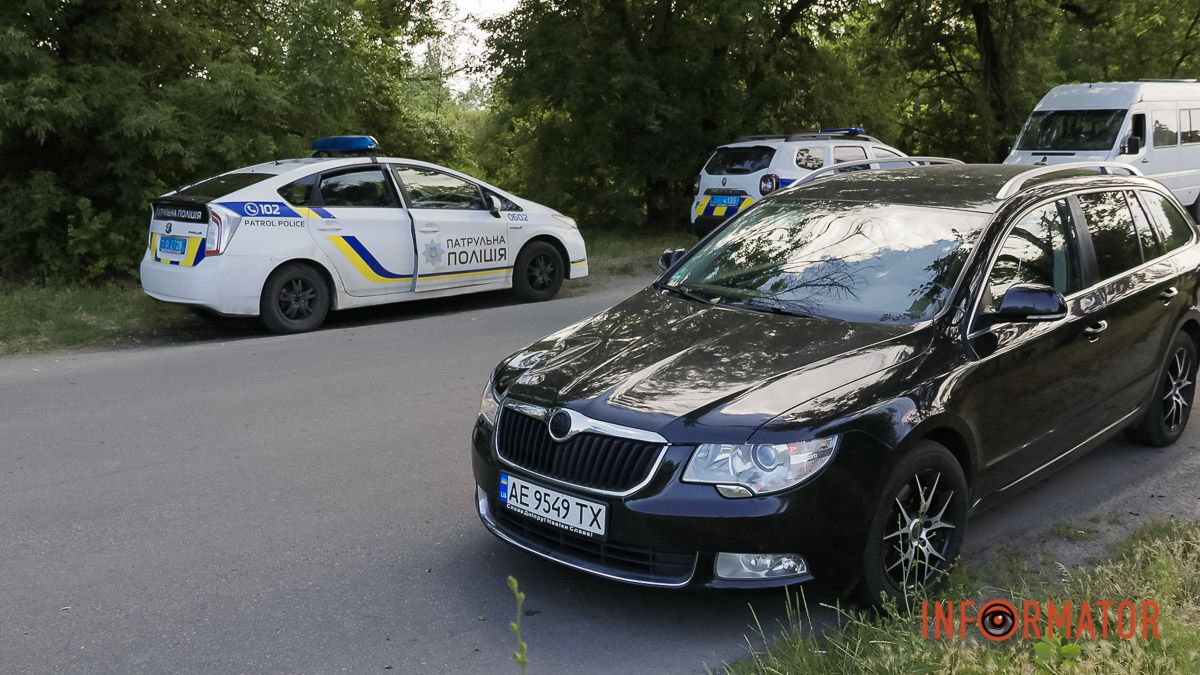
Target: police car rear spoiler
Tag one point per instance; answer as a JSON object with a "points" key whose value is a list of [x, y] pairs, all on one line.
{"points": [[902, 162], [179, 210]]}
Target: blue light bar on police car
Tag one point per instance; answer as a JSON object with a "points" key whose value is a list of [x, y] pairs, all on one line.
{"points": [[845, 130], [345, 144]]}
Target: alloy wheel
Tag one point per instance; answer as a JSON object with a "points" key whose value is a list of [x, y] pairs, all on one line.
{"points": [[296, 299], [541, 272], [916, 544], [1179, 390]]}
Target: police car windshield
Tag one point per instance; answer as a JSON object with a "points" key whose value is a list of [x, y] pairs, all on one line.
{"points": [[851, 261], [219, 186], [1094, 130], [732, 161]]}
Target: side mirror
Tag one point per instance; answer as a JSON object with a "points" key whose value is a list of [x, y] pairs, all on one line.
{"points": [[1133, 145], [494, 203], [1027, 303], [669, 257]]}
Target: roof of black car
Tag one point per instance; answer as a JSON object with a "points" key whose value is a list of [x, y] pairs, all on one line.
{"points": [[971, 187]]}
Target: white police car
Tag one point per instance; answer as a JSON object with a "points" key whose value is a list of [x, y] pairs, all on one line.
{"points": [[740, 173], [290, 240]]}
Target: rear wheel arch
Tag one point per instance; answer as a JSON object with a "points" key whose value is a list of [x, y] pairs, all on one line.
{"points": [[326, 274], [1192, 328]]}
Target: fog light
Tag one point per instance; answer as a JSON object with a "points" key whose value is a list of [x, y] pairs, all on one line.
{"points": [[743, 566]]}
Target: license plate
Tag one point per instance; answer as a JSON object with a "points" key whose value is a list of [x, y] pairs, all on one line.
{"points": [[726, 200], [174, 245], [579, 516]]}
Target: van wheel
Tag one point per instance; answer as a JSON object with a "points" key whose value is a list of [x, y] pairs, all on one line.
{"points": [[1171, 402], [538, 273], [295, 299], [918, 526]]}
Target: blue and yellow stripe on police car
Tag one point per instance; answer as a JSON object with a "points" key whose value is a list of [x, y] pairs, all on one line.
{"points": [[192, 255], [366, 264], [707, 208]]}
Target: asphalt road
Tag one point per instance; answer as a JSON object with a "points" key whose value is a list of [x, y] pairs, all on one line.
{"points": [[304, 504]]}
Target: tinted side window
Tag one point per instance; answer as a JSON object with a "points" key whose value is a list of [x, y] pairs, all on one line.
{"points": [[1110, 223], [429, 189], [361, 187], [884, 152], [1165, 129], [1172, 224], [810, 157], [1147, 237], [1039, 250], [850, 153], [299, 193], [1189, 126]]}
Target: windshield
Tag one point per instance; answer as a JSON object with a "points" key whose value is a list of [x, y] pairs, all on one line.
{"points": [[740, 160], [844, 260], [1071, 130]]}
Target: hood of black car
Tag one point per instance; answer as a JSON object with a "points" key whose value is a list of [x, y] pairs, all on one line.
{"points": [[660, 362]]}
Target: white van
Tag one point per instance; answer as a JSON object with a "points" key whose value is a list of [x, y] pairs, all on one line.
{"points": [[1153, 125]]}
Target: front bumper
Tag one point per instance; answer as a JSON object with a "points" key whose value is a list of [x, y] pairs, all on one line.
{"points": [[668, 533]]}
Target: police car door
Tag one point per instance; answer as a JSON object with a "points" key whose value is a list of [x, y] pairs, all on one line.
{"points": [[460, 242], [368, 235]]}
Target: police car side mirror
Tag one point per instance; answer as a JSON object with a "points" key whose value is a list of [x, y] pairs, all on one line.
{"points": [[668, 258], [494, 203], [1132, 146]]}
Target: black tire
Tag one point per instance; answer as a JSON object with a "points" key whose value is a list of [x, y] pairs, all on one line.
{"points": [[1171, 401], [538, 274], [902, 556], [295, 299]]}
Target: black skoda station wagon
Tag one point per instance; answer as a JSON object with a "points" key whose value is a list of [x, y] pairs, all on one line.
{"points": [[826, 387]]}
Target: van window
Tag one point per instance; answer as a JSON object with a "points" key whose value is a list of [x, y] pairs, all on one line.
{"points": [[1110, 223], [1189, 126], [1172, 225], [1166, 131], [1071, 130], [740, 161]]}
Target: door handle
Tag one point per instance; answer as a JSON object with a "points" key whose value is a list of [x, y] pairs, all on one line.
{"points": [[1168, 294], [330, 227], [1145, 160], [429, 228], [1093, 331]]}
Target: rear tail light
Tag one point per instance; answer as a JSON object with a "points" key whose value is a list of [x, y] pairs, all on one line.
{"points": [[213, 237], [768, 184], [696, 186]]}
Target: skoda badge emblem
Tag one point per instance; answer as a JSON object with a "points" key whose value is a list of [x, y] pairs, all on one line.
{"points": [[168, 228], [560, 425]]}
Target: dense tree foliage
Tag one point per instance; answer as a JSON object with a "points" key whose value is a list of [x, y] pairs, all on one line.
{"points": [[604, 109]]}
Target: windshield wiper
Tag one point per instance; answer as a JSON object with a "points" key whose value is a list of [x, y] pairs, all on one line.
{"points": [[763, 304], [682, 292]]}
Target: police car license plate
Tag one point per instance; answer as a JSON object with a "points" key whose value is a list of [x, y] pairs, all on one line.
{"points": [[174, 245], [551, 507], [726, 200]]}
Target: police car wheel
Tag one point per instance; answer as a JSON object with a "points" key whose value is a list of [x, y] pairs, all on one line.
{"points": [[295, 299], [538, 273]]}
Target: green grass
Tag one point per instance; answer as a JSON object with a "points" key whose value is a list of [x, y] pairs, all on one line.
{"points": [[1160, 562], [48, 318], [37, 318]]}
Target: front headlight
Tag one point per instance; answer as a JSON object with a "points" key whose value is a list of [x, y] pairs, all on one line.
{"points": [[566, 220], [490, 405], [758, 468]]}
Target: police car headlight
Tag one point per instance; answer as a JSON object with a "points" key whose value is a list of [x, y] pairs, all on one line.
{"points": [[490, 405], [754, 469], [566, 220]]}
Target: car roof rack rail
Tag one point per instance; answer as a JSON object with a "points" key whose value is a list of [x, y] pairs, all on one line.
{"points": [[1014, 184], [759, 137], [827, 171]]}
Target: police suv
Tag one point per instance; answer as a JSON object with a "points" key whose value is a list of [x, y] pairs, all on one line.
{"points": [[742, 172], [290, 240]]}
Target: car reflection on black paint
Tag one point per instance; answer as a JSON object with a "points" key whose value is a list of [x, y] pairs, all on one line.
{"points": [[828, 386]]}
